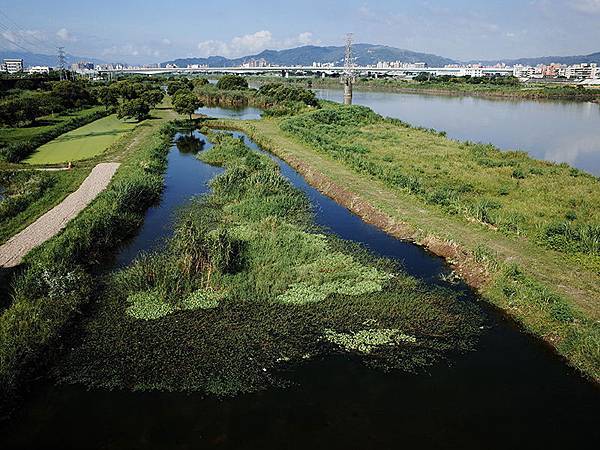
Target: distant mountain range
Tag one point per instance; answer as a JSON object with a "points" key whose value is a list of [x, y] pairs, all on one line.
{"points": [[37, 59], [365, 54]]}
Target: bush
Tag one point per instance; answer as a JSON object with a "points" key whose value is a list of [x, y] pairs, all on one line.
{"points": [[232, 83]]}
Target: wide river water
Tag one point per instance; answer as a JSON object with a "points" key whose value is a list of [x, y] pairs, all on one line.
{"points": [[554, 131], [510, 392]]}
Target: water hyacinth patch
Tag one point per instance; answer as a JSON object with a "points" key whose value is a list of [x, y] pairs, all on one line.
{"points": [[366, 341]]}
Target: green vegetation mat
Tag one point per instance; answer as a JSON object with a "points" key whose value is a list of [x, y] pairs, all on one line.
{"points": [[248, 286], [85, 142]]}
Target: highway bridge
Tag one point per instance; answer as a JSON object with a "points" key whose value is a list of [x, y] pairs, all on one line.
{"points": [[310, 70]]}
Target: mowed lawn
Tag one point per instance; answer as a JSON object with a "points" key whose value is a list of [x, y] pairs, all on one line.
{"points": [[83, 143]]}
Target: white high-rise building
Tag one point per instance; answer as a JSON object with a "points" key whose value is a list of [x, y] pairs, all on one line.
{"points": [[13, 65]]}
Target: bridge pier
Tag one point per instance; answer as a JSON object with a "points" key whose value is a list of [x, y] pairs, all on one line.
{"points": [[348, 91]]}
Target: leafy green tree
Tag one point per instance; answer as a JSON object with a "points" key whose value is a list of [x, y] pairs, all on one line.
{"points": [[232, 83], [186, 103], [11, 112], [109, 97], [133, 109], [177, 85], [72, 94], [197, 82], [153, 96]]}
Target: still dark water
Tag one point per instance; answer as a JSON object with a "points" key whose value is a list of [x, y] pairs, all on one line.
{"points": [[554, 131], [512, 392]]}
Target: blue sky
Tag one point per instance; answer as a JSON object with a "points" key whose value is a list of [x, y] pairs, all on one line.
{"points": [[151, 31]]}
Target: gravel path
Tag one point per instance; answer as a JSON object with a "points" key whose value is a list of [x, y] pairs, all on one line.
{"points": [[48, 225]]}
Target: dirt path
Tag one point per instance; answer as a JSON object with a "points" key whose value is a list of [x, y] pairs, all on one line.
{"points": [[48, 225]]}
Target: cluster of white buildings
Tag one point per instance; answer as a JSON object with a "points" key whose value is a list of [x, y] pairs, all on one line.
{"points": [[575, 71]]}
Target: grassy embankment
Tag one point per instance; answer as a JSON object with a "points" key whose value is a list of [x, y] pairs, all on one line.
{"points": [[58, 279], [29, 194], [248, 286], [17, 143], [525, 232], [531, 91], [82, 143]]}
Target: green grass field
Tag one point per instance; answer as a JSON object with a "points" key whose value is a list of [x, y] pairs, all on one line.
{"points": [[83, 143], [43, 124]]}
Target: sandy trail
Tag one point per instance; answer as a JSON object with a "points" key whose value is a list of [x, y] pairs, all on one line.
{"points": [[48, 225]]}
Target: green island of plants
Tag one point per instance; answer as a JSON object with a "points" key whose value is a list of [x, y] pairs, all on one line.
{"points": [[248, 286]]}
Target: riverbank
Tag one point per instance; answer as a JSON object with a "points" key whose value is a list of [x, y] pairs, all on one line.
{"points": [[552, 293], [520, 91], [59, 278]]}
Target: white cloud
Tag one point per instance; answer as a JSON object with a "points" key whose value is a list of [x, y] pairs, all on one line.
{"points": [[131, 50], [252, 43], [65, 35], [166, 41], [586, 6]]}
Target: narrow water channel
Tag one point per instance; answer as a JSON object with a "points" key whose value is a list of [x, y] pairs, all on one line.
{"points": [[511, 392]]}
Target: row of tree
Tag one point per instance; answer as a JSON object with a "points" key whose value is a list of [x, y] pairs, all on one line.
{"points": [[27, 106]]}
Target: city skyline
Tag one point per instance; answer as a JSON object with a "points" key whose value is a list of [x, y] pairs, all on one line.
{"points": [[140, 33]]}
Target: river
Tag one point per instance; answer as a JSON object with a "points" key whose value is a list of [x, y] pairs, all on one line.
{"points": [[550, 130], [511, 392]]}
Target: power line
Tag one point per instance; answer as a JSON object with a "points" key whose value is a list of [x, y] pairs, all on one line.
{"points": [[15, 43], [10, 25]]}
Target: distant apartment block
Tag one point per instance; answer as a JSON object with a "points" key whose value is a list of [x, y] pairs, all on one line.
{"points": [[580, 71], [45, 70], [13, 65]]}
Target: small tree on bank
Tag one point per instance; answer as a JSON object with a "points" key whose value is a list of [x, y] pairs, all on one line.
{"points": [[134, 109], [186, 103]]}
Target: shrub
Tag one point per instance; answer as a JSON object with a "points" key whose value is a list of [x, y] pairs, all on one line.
{"points": [[232, 83]]}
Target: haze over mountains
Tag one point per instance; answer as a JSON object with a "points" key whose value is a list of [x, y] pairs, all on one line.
{"points": [[38, 59], [365, 54]]}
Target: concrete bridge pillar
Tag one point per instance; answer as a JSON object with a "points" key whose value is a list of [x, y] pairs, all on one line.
{"points": [[347, 91]]}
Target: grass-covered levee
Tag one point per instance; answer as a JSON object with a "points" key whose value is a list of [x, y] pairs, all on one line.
{"points": [[248, 286]]}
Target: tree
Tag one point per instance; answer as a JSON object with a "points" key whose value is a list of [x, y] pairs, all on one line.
{"points": [[135, 109], [178, 85], [72, 94], [153, 96], [196, 82], [232, 83], [186, 103], [108, 97]]}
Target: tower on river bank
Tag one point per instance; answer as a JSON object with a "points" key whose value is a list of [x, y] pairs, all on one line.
{"points": [[348, 77]]}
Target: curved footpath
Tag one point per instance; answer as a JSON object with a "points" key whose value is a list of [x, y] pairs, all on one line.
{"points": [[48, 225]]}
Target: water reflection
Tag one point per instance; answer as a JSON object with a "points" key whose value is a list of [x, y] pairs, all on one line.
{"points": [[189, 143]]}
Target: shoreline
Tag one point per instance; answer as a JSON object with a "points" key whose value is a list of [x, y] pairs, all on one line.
{"points": [[531, 93]]}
